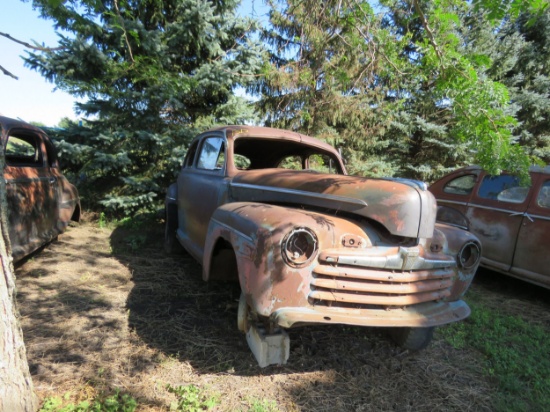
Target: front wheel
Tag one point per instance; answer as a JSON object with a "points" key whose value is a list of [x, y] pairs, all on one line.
{"points": [[413, 339]]}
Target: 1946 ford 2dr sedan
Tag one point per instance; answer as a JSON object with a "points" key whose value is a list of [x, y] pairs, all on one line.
{"points": [[275, 211], [41, 201]]}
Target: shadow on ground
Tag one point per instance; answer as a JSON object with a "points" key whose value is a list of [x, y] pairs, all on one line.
{"points": [[330, 367]]}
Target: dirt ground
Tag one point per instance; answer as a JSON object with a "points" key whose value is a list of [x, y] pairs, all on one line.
{"points": [[103, 309]]}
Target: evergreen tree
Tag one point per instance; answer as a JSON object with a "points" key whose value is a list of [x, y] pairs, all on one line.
{"points": [[396, 86], [150, 74], [527, 77]]}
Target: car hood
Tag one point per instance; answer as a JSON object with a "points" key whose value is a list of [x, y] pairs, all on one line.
{"points": [[404, 207]]}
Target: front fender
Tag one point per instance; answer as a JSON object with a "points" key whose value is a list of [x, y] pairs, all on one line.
{"points": [[467, 249], [453, 217], [256, 231]]}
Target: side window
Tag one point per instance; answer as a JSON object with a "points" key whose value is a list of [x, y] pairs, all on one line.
{"points": [[190, 157], [23, 150], [462, 185], [212, 155], [241, 162], [291, 162], [322, 163], [543, 199], [505, 188]]}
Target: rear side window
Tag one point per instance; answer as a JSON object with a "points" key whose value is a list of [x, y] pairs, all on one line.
{"points": [[462, 185], [504, 188], [321, 163], [23, 150], [543, 199], [291, 162]]}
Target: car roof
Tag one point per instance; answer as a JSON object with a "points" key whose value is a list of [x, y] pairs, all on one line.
{"points": [[9, 123], [532, 169], [236, 132]]}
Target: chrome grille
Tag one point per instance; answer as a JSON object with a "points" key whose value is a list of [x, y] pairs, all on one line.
{"points": [[343, 285]]}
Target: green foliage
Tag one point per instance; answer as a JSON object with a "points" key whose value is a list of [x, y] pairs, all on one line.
{"points": [[399, 89], [191, 399], [117, 402], [151, 75], [263, 406], [515, 353], [101, 222]]}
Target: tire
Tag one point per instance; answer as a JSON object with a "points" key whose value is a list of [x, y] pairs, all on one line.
{"points": [[171, 244], [413, 339]]}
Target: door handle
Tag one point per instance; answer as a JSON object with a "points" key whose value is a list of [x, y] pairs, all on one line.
{"points": [[522, 214]]}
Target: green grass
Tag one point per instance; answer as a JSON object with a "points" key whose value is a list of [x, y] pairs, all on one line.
{"points": [[516, 353], [117, 402], [191, 399]]}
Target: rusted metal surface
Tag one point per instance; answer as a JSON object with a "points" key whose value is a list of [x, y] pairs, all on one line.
{"points": [[41, 201], [512, 222], [315, 247]]}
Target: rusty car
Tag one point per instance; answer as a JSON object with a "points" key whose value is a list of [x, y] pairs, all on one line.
{"points": [[41, 201], [276, 211], [511, 220]]}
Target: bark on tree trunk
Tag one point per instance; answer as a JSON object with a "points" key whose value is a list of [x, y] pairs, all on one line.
{"points": [[16, 388]]}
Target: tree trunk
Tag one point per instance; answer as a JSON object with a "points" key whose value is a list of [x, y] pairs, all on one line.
{"points": [[16, 388]]}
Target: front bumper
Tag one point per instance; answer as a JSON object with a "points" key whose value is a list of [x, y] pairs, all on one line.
{"points": [[421, 315]]}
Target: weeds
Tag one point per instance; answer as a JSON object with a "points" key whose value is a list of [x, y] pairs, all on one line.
{"points": [[263, 406], [191, 399], [102, 223], [117, 402]]}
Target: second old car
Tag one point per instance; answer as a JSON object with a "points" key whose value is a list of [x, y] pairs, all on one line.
{"points": [[41, 201], [309, 244], [511, 220]]}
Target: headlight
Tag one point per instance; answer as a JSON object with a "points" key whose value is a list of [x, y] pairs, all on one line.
{"points": [[299, 247], [469, 255]]}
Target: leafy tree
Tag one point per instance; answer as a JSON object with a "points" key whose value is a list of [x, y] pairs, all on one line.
{"points": [[397, 79], [151, 74]]}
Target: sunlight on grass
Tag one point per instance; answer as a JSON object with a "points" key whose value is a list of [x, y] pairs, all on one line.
{"points": [[515, 352]]}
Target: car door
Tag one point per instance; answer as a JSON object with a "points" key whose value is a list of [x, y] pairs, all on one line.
{"points": [[495, 213], [532, 257], [202, 187], [31, 192], [453, 193]]}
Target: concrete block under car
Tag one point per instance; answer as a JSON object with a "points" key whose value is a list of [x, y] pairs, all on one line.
{"points": [[269, 349]]}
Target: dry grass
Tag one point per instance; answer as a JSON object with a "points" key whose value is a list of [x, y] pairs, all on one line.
{"points": [[105, 309]]}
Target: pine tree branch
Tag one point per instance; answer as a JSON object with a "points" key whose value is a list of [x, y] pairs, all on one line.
{"points": [[124, 31], [7, 73], [28, 45]]}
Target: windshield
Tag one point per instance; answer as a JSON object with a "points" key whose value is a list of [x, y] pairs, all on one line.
{"points": [[255, 153]]}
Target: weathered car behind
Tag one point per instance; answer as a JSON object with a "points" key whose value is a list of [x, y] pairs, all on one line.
{"points": [[511, 220], [309, 244], [41, 202]]}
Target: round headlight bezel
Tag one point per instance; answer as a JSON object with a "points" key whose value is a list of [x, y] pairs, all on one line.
{"points": [[469, 256], [299, 247]]}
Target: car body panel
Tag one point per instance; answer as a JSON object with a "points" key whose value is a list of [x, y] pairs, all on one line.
{"points": [[41, 201], [309, 246], [512, 226]]}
